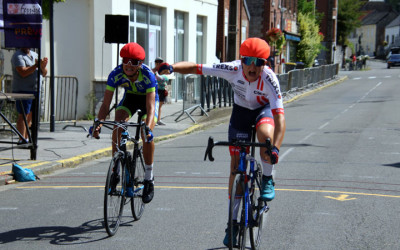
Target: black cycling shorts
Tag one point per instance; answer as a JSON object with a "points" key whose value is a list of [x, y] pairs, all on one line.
{"points": [[132, 103], [242, 119]]}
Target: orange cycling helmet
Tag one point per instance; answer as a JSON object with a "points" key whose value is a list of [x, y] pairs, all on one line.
{"points": [[133, 50], [255, 47]]}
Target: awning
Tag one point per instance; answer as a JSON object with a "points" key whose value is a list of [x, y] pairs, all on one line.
{"points": [[292, 36]]}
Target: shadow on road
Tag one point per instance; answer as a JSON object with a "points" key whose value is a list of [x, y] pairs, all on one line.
{"points": [[60, 235], [395, 165]]}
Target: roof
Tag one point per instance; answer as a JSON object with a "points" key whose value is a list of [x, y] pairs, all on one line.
{"points": [[378, 6], [374, 17], [395, 22], [379, 17]]}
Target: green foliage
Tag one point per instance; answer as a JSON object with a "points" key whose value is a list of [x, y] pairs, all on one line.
{"points": [[46, 7], [348, 19], [351, 46], [395, 4], [310, 43], [305, 6]]}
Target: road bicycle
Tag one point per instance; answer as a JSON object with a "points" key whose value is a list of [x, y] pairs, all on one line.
{"points": [[247, 185], [126, 171]]}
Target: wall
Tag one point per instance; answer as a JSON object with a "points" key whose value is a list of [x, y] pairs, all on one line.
{"points": [[79, 38]]}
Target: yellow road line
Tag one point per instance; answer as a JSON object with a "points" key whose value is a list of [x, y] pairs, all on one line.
{"points": [[223, 188]]}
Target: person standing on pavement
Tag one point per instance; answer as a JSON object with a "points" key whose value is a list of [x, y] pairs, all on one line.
{"points": [[257, 100], [24, 64], [162, 81], [140, 93]]}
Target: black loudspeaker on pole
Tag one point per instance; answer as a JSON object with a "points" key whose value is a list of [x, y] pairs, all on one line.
{"points": [[116, 29]]}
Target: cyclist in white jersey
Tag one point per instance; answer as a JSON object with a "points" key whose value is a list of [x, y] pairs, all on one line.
{"points": [[257, 100]]}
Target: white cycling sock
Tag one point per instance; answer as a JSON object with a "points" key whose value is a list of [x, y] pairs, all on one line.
{"points": [[148, 174], [267, 168], [236, 207]]}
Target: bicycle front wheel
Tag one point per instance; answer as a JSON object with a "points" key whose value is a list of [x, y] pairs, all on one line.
{"points": [[137, 205], [237, 223], [258, 208], [114, 195]]}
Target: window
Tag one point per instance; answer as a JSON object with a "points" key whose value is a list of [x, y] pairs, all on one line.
{"points": [[199, 40], [199, 52], [145, 29], [179, 39]]}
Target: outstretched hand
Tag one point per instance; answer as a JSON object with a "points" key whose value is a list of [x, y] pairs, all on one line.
{"points": [[165, 69]]}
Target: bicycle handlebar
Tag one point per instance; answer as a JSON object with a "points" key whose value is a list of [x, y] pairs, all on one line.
{"points": [[124, 125], [211, 144]]}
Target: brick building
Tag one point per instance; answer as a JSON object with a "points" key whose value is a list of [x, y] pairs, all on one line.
{"points": [[328, 27], [232, 28], [281, 14]]}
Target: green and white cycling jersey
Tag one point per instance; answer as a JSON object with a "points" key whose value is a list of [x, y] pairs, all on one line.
{"points": [[145, 83]]}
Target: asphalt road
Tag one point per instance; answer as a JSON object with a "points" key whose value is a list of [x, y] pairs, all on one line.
{"points": [[337, 184]]}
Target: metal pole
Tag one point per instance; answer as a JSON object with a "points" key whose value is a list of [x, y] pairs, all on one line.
{"points": [[52, 90]]}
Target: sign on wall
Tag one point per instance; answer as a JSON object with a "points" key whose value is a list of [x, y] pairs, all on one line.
{"points": [[22, 23]]}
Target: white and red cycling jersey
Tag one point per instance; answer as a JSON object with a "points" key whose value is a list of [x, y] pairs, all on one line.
{"points": [[250, 95]]}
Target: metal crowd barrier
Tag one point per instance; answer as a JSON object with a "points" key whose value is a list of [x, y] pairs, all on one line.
{"points": [[190, 100], [65, 99], [215, 91]]}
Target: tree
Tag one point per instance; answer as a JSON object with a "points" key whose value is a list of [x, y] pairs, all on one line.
{"points": [[46, 7], [310, 44], [348, 19], [305, 6], [394, 3]]}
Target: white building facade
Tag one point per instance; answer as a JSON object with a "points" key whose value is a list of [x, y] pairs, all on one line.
{"points": [[392, 34], [176, 30]]}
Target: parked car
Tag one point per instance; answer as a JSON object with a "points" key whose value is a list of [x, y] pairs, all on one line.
{"points": [[394, 60]]}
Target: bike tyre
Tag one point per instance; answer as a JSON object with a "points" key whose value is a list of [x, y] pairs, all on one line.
{"points": [[236, 186], [243, 228], [137, 205], [114, 199], [256, 226]]}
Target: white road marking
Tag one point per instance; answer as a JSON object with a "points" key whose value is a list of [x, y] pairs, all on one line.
{"points": [[324, 125]]}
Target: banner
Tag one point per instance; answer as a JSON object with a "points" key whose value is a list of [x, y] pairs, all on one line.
{"points": [[22, 23]]}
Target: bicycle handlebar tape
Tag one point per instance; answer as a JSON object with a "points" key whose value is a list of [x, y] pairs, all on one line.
{"points": [[165, 66]]}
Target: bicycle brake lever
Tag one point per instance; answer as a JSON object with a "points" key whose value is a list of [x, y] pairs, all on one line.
{"points": [[210, 145], [269, 147]]}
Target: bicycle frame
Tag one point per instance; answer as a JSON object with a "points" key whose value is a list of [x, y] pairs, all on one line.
{"points": [[242, 169]]}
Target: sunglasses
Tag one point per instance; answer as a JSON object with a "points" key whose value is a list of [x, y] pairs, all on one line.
{"points": [[257, 61], [131, 61]]}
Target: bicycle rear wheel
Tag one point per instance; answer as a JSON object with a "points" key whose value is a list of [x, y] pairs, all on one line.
{"points": [[237, 229], [258, 208], [114, 195], [137, 205]]}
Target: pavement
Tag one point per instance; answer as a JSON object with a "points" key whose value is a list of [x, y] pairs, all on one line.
{"points": [[69, 146]]}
